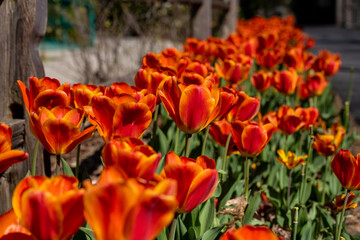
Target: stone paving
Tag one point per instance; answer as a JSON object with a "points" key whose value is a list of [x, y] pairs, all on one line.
{"points": [[347, 43]]}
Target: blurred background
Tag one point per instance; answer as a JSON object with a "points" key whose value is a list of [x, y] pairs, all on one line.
{"points": [[103, 41]]}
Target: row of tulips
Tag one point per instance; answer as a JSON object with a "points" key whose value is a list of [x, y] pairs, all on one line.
{"points": [[233, 89]]}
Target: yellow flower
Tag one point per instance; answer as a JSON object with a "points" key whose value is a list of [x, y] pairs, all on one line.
{"points": [[290, 160]]}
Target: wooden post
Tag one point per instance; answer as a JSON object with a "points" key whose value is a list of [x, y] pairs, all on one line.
{"points": [[230, 19], [201, 20], [22, 24]]}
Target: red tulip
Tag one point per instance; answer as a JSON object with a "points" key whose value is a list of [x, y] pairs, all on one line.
{"points": [[129, 210], [298, 59], [83, 93], [249, 232], [179, 103], [328, 62], [261, 80], [285, 81], [50, 208], [219, 131], [251, 138], [58, 129], [10, 228], [288, 120], [346, 168], [132, 156], [46, 92], [234, 71], [328, 143], [244, 109], [197, 179], [8, 157], [129, 119]]}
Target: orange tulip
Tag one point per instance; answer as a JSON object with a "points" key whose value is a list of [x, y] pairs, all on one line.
{"points": [[197, 179], [308, 115], [249, 232], [346, 168], [303, 93], [287, 120], [244, 109], [129, 210], [10, 228], [250, 137], [285, 81], [121, 92], [50, 208], [132, 156], [261, 80], [316, 83], [328, 143], [58, 129], [83, 93], [234, 70], [181, 107], [45, 92], [337, 204], [8, 157], [298, 59], [269, 58], [328, 62], [147, 78], [129, 119], [290, 160], [219, 131], [228, 98]]}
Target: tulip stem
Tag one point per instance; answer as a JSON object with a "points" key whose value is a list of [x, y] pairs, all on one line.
{"points": [[205, 139], [296, 217], [154, 127], [33, 170], [286, 145], [58, 158], [77, 161], [176, 140], [288, 100], [173, 228], [326, 173], [288, 190], [226, 151], [247, 166], [338, 232], [187, 145]]}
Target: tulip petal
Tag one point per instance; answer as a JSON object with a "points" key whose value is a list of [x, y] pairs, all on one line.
{"points": [[11, 157], [51, 98], [253, 139], [195, 107], [41, 214], [201, 188], [343, 166], [131, 119]]}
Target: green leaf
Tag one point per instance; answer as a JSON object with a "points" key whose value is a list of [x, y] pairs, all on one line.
{"points": [[88, 232], [207, 215], [307, 231], [162, 235], [254, 203], [213, 233], [66, 168], [28, 173]]}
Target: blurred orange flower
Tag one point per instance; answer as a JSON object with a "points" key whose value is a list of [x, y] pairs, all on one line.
{"points": [[58, 129], [249, 232], [197, 179], [10, 228], [285, 81], [117, 209], [328, 143], [337, 204], [234, 70], [8, 157], [50, 208], [328, 62], [261, 80]]}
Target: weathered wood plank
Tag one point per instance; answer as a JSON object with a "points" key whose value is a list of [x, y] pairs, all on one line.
{"points": [[22, 25], [201, 20]]}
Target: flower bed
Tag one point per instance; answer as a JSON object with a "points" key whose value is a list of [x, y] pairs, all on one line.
{"points": [[272, 168]]}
